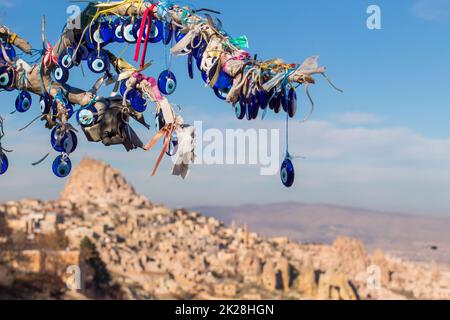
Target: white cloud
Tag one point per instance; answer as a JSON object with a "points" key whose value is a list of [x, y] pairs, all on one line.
{"points": [[358, 118], [432, 10], [390, 168]]}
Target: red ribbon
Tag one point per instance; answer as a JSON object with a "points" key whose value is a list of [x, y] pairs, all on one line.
{"points": [[147, 20]]}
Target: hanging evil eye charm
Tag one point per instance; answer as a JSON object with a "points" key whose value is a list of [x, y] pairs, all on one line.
{"points": [[292, 103], [6, 77], [159, 121], [199, 52], [276, 103], [23, 102], [253, 108], [63, 142], [123, 87], [62, 166], [167, 83], [191, 66], [86, 117], [61, 75], [10, 51], [127, 31], [204, 76], [83, 51], [241, 107], [138, 103], [224, 81], [221, 93], [98, 61], [287, 173], [107, 32], [45, 103], [4, 163], [118, 35], [179, 35], [262, 99], [93, 37], [137, 29], [156, 33], [173, 146], [240, 110], [167, 33], [67, 59]]}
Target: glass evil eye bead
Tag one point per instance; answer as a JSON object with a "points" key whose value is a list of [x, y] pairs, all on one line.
{"points": [[179, 35], [222, 93], [93, 37], [67, 58], [23, 101], [61, 75], [156, 32], [191, 66], [252, 108], [241, 107], [67, 143], [62, 166], [127, 31], [224, 81], [45, 103], [284, 99], [98, 62], [240, 110], [86, 117], [173, 145], [123, 87], [263, 99], [167, 83], [10, 51], [107, 31], [138, 103], [292, 103], [287, 173], [167, 33], [6, 77], [204, 76], [83, 51], [118, 35], [4, 163]]}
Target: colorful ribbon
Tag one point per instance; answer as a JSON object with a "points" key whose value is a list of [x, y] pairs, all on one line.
{"points": [[165, 132], [147, 20]]}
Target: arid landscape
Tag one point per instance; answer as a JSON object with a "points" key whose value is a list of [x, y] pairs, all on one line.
{"points": [[412, 237], [130, 248]]}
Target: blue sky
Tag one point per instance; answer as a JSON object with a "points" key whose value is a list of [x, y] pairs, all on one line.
{"points": [[383, 144]]}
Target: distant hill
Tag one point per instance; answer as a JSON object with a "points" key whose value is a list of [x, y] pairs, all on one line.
{"points": [[418, 238]]}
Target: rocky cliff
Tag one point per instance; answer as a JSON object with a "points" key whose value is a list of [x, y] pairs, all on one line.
{"points": [[155, 252]]}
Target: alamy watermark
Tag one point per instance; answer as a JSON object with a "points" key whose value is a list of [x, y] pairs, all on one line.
{"points": [[74, 278], [238, 147]]}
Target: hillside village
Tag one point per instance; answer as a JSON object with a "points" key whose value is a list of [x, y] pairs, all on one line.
{"points": [[130, 248]]}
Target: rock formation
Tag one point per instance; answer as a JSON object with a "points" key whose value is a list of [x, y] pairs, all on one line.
{"points": [[155, 252]]}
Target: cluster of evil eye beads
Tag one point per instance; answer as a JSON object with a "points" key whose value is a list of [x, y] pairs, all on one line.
{"points": [[5, 79], [126, 30]]}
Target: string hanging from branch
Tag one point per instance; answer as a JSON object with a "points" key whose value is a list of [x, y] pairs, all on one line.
{"points": [[251, 86]]}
